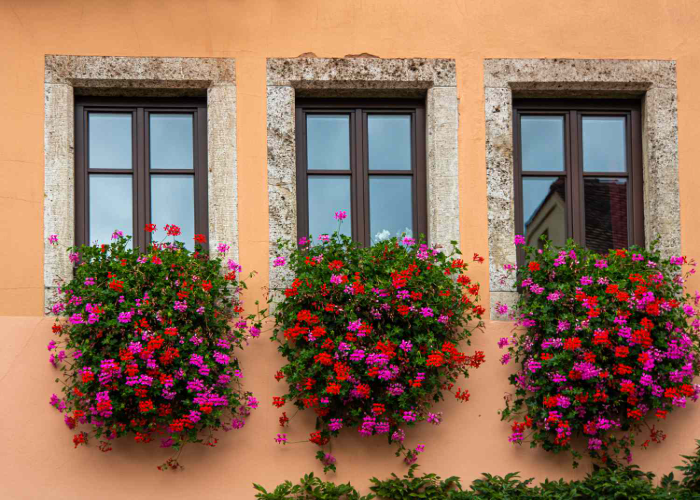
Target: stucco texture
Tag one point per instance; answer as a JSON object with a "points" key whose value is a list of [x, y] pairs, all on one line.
{"points": [[37, 459]]}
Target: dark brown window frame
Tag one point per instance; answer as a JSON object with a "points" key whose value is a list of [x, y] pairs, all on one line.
{"points": [[359, 109], [573, 110], [140, 108]]}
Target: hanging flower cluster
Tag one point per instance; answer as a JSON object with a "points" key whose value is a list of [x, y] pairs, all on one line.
{"points": [[371, 335], [606, 343], [146, 344]]}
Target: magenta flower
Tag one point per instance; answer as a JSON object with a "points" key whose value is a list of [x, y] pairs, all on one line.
{"points": [[594, 444], [406, 345], [279, 261], [77, 319], [519, 240], [434, 418], [398, 435], [409, 416], [222, 248], [341, 215], [53, 239], [281, 439]]}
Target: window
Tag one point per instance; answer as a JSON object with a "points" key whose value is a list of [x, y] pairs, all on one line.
{"points": [[140, 162], [578, 172], [366, 157]]}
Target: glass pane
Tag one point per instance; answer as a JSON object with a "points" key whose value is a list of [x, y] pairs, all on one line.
{"points": [[327, 195], [542, 142], [390, 207], [328, 142], [389, 138], [171, 140], [544, 209], [606, 213], [604, 144], [172, 202], [111, 207], [109, 140]]}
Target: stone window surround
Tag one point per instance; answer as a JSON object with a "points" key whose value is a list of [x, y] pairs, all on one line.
{"points": [[66, 75], [654, 81], [434, 79]]}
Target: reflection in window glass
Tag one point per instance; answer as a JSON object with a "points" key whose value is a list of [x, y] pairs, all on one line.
{"points": [[172, 202], [605, 202], [111, 207], [604, 144], [109, 140], [542, 143], [171, 141], [389, 139], [327, 195], [328, 142], [390, 207], [544, 209]]}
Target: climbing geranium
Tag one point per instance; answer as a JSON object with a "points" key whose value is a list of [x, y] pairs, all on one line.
{"points": [[147, 344], [606, 346], [372, 336]]}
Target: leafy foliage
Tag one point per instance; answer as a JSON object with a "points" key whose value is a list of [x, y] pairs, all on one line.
{"points": [[607, 344], [371, 335], [311, 488], [428, 486], [691, 471], [147, 345], [614, 482]]}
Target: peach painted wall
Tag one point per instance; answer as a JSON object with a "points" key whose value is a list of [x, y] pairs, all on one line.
{"points": [[37, 459]]}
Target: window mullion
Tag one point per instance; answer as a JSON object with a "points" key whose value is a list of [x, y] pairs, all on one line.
{"points": [[576, 203], [141, 238], [634, 175], [81, 184], [201, 182], [359, 198], [302, 179]]}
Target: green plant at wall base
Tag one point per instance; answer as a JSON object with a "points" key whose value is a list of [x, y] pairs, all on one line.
{"points": [[311, 488], [370, 335], [147, 343], [607, 342], [427, 487], [691, 470], [613, 482]]}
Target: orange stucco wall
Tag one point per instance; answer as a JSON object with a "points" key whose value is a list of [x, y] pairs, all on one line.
{"points": [[37, 459]]}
